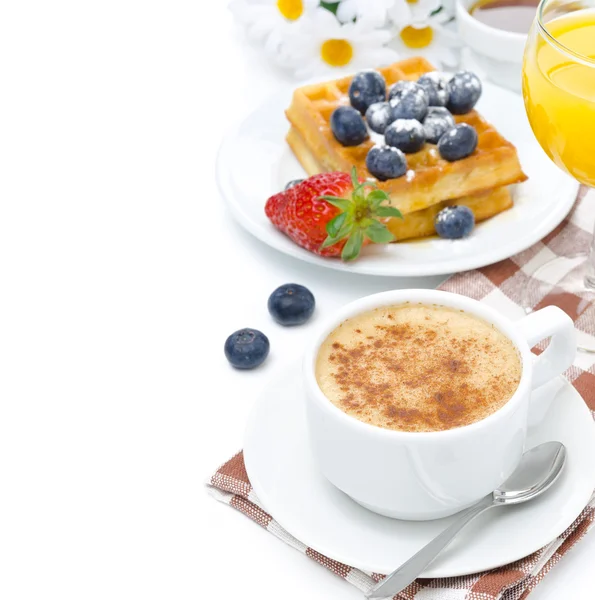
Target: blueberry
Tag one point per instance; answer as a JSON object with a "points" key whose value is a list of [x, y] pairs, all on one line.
{"points": [[348, 127], [398, 89], [291, 304], [458, 142], [436, 86], [454, 222], [465, 90], [378, 116], [437, 122], [246, 348], [410, 104], [366, 88], [386, 162], [293, 183], [406, 135]]}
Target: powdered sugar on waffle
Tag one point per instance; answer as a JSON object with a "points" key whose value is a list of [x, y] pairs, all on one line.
{"points": [[405, 125], [473, 84], [376, 138]]}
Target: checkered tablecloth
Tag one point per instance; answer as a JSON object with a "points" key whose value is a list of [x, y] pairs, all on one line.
{"points": [[499, 286]]}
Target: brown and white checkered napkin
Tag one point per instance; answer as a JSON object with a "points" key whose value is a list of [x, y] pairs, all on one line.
{"points": [[499, 286]]}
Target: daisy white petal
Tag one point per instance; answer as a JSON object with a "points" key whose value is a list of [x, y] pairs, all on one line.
{"points": [[262, 18], [422, 9], [372, 11], [325, 45], [430, 40], [449, 7], [400, 13]]}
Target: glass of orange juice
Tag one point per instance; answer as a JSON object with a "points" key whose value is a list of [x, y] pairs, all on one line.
{"points": [[559, 93]]}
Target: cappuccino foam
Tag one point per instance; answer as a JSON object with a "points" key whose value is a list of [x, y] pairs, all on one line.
{"points": [[417, 367]]}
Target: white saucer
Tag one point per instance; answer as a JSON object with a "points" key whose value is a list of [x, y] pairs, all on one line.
{"points": [[287, 482], [254, 162]]}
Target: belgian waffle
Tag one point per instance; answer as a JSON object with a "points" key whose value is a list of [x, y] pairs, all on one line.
{"points": [[420, 223], [430, 179]]}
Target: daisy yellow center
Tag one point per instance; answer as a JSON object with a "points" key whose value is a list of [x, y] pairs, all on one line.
{"points": [[336, 53], [417, 38], [412, 1], [291, 9]]}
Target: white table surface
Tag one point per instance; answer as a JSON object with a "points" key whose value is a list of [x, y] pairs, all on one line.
{"points": [[121, 275]]}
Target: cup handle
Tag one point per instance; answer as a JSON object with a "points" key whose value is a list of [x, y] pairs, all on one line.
{"points": [[553, 322]]}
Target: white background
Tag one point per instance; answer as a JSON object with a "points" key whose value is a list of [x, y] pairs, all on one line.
{"points": [[121, 276]]}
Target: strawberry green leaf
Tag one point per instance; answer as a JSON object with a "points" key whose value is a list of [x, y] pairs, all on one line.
{"points": [[359, 190], [359, 193], [353, 245], [378, 233], [370, 184], [357, 219], [359, 197], [377, 195], [388, 211], [345, 230], [340, 203], [331, 240], [376, 198], [334, 225], [354, 179]]}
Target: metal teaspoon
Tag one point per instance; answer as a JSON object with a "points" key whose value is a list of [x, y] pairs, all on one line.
{"points": [[537, 471]]}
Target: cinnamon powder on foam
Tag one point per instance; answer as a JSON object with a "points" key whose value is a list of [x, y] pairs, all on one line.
{"points": [[416, 367]]}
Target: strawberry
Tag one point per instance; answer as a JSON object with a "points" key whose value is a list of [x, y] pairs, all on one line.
{"points": [[332, 214]]}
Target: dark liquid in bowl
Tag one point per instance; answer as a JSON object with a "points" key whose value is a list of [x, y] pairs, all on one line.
{"points": [[509, 15]]}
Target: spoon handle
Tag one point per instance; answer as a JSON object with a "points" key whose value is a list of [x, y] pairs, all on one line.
{"points": [[410, 570]]}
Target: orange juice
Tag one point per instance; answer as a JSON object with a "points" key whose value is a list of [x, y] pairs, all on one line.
{"points": [[559, 92]]}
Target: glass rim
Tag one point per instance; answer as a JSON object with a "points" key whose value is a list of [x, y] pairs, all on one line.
{"points": [[577, 56]]}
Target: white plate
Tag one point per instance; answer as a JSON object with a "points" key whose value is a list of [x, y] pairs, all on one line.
{"points": [[254, 162], [289, 485]]}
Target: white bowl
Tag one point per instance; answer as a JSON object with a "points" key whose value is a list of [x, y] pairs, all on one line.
{"points": [[498, 54]]}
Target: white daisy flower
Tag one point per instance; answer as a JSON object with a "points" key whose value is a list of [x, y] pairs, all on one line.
{"points": [[324, 44], [265, 18], [429, 39], [400, 12], [407, 12], [373, 11], [449, 7]]}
